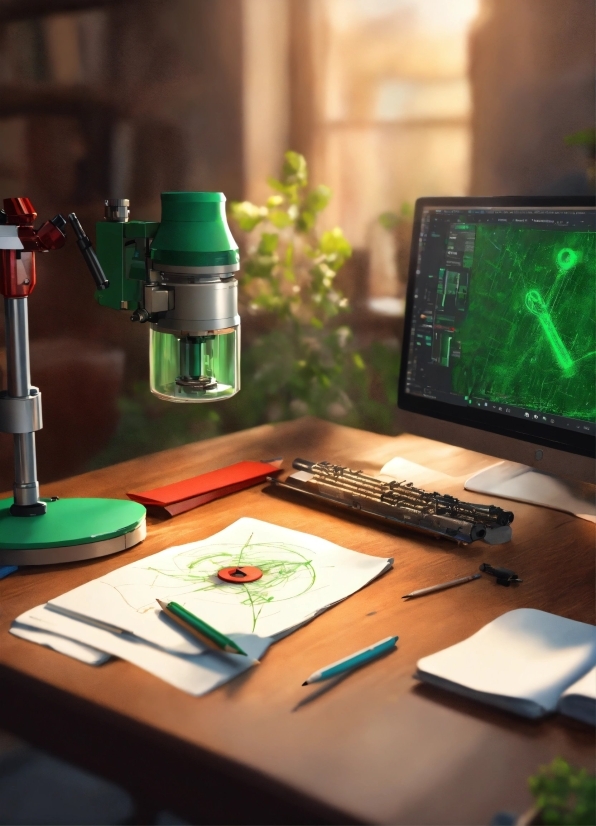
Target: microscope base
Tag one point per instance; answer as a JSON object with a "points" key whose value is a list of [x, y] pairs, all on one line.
{"points": [[70, 531]]}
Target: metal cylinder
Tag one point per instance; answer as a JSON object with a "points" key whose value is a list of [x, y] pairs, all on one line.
{"points": [[206, 304], [17, 347], [117, 209], [26, 487]]}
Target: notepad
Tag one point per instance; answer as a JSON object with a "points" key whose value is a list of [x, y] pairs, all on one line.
{"points": [[525, 661]]}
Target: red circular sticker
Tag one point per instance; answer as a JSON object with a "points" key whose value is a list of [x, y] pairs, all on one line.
{"points": [[240, 575]]}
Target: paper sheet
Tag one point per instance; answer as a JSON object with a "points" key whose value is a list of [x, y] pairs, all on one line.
{"points": [[403, 470], [522, 661], [76, 650], [525, 484], [302, 576], [196, 674]]}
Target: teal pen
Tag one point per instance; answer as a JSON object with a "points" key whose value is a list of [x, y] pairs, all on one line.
{"points": [[353, 661]]}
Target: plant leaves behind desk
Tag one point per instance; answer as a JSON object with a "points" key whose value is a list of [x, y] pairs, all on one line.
{"points": [[303, 365]]}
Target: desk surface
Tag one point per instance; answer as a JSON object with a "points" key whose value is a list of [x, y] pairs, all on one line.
{"points": [[378, 747]]}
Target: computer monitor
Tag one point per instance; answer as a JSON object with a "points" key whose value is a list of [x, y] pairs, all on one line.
{"points": [[499, 348]]}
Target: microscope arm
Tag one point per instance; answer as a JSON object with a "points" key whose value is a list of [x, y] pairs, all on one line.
{"points": [[88, 253]]}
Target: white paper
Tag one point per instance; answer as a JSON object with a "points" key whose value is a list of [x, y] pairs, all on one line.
{"points": [[196, 674], [77, 650], [302, 576], [402, 470], [522, 661], [579, 700], [511, 480]]}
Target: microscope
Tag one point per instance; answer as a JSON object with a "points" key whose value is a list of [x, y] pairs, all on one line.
{"points": [[178, 276]]}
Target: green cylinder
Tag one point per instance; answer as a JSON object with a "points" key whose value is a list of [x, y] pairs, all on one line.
{"points": [[195, 368], [194, 231]]}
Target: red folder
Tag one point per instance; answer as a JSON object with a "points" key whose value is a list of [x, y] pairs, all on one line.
{"points": [[183, 496]]}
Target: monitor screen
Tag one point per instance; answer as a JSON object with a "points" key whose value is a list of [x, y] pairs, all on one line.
{"points": [[500, 328]]}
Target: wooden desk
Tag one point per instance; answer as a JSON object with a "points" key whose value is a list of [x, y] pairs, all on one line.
{"points": [[378, 747]]}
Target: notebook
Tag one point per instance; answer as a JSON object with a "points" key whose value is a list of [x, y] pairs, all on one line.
{"points": [[579, 700], [526, 661]]}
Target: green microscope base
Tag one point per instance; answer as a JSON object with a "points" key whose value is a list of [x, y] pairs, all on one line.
{"points": [[71, 530]]}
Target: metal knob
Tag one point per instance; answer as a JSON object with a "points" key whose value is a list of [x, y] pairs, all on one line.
{"points": [[117, 209]]}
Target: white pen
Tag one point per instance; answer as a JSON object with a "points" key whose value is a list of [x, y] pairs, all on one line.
{"points": [[422, 591]]}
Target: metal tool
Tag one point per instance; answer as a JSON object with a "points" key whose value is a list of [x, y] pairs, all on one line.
{"points": [[503, 575], [398, 503]]}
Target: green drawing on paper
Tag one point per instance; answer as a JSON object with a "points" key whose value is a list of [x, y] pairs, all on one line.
{"points": [[287, 573]]}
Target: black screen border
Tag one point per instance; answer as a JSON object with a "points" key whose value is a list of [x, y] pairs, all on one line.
{"points": [[546, 435]]}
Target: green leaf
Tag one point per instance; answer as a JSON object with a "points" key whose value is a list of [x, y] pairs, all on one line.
{"points": [[268, 243], [334, 241], [322, 271], [289, 190], [260, 266], [306, 221], [294, 170], [279, 218], [389, 220], [247, 215], [317, 199], [335, 247]]}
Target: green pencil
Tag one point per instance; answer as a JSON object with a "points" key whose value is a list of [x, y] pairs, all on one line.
{"points": [[200, 629]]}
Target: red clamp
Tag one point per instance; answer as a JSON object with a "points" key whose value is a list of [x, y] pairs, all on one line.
{"points": [[19, 241]]}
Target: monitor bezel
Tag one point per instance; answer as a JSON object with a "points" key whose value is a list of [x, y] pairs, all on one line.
{"points": [[582, 444]]}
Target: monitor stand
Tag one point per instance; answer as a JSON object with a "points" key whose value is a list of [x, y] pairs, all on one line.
{"points": [[513, 481]]}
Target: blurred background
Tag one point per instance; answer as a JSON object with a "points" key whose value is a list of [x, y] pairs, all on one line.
{"points": [[387, 100]]}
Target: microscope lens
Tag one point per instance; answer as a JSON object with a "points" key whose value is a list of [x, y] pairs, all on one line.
{"points": [[198, 368]]}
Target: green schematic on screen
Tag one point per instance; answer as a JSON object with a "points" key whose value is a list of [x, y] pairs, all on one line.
{"points": [[525, 330]]}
